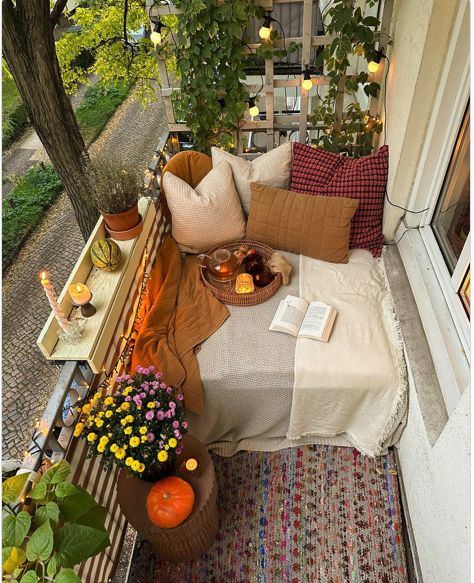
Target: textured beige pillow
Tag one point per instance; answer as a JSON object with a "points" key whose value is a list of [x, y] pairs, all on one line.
{"points": [[272, 168], [315, 226], [207, 215]]}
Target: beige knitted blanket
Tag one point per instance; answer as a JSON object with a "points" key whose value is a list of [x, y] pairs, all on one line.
{"points": [[355, 385]]}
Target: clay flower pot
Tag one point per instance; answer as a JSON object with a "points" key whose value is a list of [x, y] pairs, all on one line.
{"points": [[124, 226]]}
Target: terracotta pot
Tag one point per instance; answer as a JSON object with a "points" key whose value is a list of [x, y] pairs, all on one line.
{"points": [[126, 235], [122, 221]]}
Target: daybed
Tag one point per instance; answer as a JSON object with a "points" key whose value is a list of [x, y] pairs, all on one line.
{"points": [[264, 390]]}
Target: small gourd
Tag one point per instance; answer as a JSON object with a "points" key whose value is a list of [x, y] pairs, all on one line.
{"points": [[169, 502], [105, 254]]}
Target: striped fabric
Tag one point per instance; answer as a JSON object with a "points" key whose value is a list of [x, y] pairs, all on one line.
{"points": [[318, 172]]}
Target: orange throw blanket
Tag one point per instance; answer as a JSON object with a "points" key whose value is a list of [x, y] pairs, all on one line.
{"points": [[178, 313]]}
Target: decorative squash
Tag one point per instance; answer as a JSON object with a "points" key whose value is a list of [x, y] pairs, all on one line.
{"points": [[169, 502], [105, 254]]}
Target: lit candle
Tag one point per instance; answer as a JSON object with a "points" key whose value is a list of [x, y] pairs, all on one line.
{"points": [[80, 294], [191, 464], [53, 302]]}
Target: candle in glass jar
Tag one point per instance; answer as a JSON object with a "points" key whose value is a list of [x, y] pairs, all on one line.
{"points": [[80, 294], [53, 302], [191, 464]]}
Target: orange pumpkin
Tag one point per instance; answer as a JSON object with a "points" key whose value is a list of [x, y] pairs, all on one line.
{"points": [[169, 502]]}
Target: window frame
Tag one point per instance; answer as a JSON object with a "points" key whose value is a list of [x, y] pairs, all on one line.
{"points": [[444, 319]]}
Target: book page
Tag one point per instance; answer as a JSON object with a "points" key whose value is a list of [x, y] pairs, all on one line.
{"points": [[315, 320], [289, 315]]}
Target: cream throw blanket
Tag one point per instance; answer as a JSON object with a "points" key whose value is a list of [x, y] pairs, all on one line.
{"points": [[355, 385]]}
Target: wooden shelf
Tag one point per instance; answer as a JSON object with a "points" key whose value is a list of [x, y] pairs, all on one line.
{"points": [[109, 294]]}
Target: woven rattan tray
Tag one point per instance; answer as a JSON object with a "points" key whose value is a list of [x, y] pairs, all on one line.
{"points": [[225, 290]]}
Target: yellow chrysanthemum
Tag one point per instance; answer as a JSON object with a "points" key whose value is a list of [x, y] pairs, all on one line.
{"points": [[108, 413], [141, 468], [123, 422], [125, 406], [86, 409], [99, 422], [143, 430], [162, 456], [78, 429], [114, 447], [91, 437], [127, 390], [143, 438], [135, 465], [134, 441], [120, 453], [129, 461], [167, 447], [98, 395], [108, 401], [94, 403], [128, 430], [172, 442], [104, 439], [151, 405], [101, 447], [129, 418]]}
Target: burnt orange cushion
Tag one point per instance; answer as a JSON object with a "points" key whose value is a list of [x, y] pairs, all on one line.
{"points": [[315, 226], [191, 167]]}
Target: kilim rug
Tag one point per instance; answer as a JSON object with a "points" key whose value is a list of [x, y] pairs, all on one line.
{"points": [[311, 514]]}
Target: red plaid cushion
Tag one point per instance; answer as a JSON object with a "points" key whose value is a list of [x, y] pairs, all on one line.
{"points": [[318, 172]]}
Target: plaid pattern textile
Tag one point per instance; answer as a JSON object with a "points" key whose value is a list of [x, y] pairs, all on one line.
{"points": [[324, 173]]}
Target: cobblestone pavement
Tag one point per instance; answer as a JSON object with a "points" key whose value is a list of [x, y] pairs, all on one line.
{"points": [[28, 378]]}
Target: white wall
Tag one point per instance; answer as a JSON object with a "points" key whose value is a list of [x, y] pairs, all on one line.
{"points": [[421, 32], [437, 484]]}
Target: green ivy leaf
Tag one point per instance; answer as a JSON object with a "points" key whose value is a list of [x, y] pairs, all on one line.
{"points": [[67, 576], [40, 545], [64, 489], [74, 506], [15, 528], [52, 566], [59, 472], [29, 577], [48, 512], [39, 491], [13, 487], [76, 542]]}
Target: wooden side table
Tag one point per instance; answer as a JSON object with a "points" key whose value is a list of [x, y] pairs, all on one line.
{"points": [[196, 534]]}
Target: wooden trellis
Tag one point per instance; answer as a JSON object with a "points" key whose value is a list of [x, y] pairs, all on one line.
{"points": [[274, 122]]}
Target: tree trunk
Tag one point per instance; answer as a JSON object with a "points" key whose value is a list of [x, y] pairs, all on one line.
{"points": [[29, 49]]}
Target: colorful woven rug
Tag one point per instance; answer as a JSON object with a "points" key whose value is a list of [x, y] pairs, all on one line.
{"points": [[312, 514]]}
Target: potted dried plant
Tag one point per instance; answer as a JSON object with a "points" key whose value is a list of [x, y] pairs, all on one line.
{"points": [[115, 187]]}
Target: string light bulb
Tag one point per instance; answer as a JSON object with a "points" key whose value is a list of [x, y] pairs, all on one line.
{"points": [[266, 30], [253, 109], [306, 82], [155, 36], [374, 63]]}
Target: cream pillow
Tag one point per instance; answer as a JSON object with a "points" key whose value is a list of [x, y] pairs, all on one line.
{"points": [[271, 169], [205, 216]]}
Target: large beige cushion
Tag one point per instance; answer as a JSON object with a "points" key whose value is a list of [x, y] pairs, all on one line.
{"points": [[272, 168], [315, 226], [207, 215]]}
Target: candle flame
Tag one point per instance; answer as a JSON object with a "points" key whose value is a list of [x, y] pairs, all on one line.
{"points": [[78, 287], [44, 275]]}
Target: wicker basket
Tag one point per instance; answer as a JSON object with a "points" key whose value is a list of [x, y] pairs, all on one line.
{"points": [[225, 290]]}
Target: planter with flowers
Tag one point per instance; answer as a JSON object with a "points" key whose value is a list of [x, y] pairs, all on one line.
{"points": [[139, 427]]}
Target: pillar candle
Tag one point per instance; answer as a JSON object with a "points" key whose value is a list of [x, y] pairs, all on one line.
{"points": [[53, 302]]}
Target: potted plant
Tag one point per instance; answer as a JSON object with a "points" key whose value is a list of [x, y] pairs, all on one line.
{"points": [[58, 526], [115, 187], [139, 427]]}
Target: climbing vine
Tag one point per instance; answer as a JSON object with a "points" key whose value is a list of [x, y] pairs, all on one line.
{"points": [[354, 131], [211, 52]]}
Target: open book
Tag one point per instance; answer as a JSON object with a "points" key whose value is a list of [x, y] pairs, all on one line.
{"points": [[296, 317]]}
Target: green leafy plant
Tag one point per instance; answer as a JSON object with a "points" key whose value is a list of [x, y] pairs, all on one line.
{"points": [[59, 526], [354, 131], [211, 58]]}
